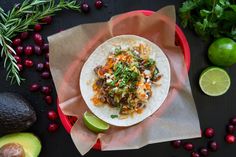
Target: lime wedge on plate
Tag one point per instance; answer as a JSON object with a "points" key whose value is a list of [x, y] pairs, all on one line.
{"points": [[94, 124], [214, 81]]}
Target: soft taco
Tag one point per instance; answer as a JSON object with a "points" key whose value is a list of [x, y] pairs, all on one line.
{"points": [[125, 80]]}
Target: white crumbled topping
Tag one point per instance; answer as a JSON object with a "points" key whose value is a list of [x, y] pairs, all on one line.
{"points": [[109, 80], [147, 72]]}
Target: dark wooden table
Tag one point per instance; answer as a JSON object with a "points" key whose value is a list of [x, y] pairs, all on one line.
{"points": [[213, 111]]}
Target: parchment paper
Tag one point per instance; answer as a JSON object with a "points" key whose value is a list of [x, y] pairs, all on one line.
{"points": [[69, 50]]}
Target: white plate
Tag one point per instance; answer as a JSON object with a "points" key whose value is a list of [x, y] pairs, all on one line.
{"points": [[99, 56]]}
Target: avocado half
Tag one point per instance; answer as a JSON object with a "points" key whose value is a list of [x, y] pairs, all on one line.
{"points": [[28, 141]]}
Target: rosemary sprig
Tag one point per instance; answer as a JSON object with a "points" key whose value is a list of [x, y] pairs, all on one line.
{"points": [[19, 19]]}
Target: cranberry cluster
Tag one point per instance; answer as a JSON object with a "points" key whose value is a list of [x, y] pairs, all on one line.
{"points": [[24, 61], [98, 5], [212, 146]]}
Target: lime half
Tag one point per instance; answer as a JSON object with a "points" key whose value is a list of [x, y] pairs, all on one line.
{"points": [[214, 81], [94, 124]]}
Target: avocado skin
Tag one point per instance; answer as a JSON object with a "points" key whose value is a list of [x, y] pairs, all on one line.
{"points": [[16, 113]]}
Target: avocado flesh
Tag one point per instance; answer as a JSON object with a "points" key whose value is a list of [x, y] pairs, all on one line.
{"points": [[28, 141]]}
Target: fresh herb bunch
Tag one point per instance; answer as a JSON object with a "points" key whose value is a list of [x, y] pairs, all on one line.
{"points": [[210, 18], [19, 19]]}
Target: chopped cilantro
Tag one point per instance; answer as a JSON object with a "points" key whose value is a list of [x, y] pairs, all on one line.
{"points": [[114, 116]]}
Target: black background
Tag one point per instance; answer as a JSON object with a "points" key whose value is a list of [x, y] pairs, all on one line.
{"points": [[213, 111]]}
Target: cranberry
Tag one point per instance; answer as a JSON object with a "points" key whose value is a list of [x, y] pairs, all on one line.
{"points": [[47, 56], [46, 90], [98, 4], [37, 50], [39, 66], [38, 39], [16, 42], [209, 132], [19, 50], [204, 152], [20, 66], [176, 144], [188, 146], [52, 115], [28, 50], [47, 65], [85, 8], [28, 63], [38, 27], [195, 154], [233, 121], [45, 75], [18, 59], [47, 20], [34, 87], [53, 127], [230, 139], [48, 99], [45, 48], [213, 146], [230, 128], [24, 35]]}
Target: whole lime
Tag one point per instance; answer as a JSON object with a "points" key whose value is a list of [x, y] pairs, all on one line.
{"points": [[222, 52]]}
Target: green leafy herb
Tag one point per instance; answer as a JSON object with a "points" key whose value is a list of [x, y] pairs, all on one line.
{"points": [[118, 51], [114, 116], [210, 18], [149, 63], [18, 20]]}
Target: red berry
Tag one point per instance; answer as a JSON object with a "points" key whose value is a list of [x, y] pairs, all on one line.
{"points": [[230, 128], [45, 75], [52, 115], [34, 87], [24, 35], [48, 99], [230, 139], [28, 50], [18, 59], [204, 152], [39, 66], [195, 154], [176, 144], [45, 48], [46, 65], [213, 146], [38, 39], [53, 127], [188, 146], [85, 8], [20, 66], [209, 132], [46, 90], [28, 63], [98, 4], [233, 121], [37, 50], [16, 42], [19, 50], [38, 27], [47, 20]]}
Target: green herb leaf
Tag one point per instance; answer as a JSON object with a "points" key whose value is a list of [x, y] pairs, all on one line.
{"points": [[114, 116]]}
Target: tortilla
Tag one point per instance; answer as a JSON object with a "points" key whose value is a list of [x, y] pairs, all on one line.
{"points": [[99, 57]]}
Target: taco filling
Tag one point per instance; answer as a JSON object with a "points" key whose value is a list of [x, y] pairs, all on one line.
{"points": [[126, 79]]}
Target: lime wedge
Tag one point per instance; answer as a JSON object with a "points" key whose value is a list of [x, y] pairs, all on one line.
{"points": [[94, 124], [214, 81]]}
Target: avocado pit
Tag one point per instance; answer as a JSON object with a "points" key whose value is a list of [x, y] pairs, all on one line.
{"points": [[12, 150]]}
